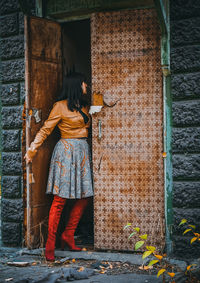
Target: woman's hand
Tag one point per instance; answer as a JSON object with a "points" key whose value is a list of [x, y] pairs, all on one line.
{"points": [[29, 155], [27, 158]]}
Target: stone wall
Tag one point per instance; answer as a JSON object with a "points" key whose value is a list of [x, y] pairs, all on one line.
{"points": [[12, 99], [185, 86]]}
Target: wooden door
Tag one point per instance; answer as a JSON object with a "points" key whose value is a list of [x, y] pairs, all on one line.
{"points": [[43, 81], [127, 159]]}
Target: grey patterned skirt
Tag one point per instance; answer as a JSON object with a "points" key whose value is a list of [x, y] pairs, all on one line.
{"points": [[70, 172]]}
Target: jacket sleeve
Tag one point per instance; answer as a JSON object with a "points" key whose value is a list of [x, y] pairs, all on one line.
{"points": [[45, 131]]}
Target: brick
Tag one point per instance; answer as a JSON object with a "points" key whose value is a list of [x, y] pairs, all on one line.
{"points": [[186, 140], [185, 58], [9, 6], [185, 85], [11, 186], [182, 9], [12, 210], [12, 117], [11, 233], [186, 194], [13, 70], [11, 163], [12, 47], [186, 113], [10, 94], [185, 32], [9, 25], [11, 140], [22, 92], [183, 249], [186, 167]]}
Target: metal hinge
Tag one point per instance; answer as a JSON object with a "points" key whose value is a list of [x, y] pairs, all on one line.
{"points": [[36, 113]]}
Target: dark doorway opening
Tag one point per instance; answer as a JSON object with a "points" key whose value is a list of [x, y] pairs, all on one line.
{"points": [[76, 52]]}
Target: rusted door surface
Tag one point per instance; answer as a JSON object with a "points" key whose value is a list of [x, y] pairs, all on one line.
{"points": [[127, 159], [43, 80]]}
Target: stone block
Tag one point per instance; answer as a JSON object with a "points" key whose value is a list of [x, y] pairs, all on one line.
{"points": [[12, 117], [12, 210], [22, 93], [11, 233], [191, 214], [9, 25], [11, 186], [186, 194], [9, 6], [183, 249], [185, 85], [186, 167], [10, 94], [21, 23], [12, 47], [11, 163], [186, 113], [185, 59], [186, 140], [182, 9], [12, 70], [185, 32], [11, 140]]}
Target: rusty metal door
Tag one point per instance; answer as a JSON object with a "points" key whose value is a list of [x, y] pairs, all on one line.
{"points": [[43, 80], [127, 138]]}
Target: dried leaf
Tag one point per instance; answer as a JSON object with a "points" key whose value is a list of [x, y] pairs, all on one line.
{"points": [[145, 267], [84, 249], [172, 274], [161, 271], [159, 256], [81, 269], [139, 244], [34, 263], [102, 271], [146, 254], [143, 237], [197, 234], [183, 221], [164, 154], [73, 260], [193, 239], [186, 231], [152, 262]]}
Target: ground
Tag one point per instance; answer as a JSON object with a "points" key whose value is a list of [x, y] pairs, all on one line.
{"points": [[30, 266]]}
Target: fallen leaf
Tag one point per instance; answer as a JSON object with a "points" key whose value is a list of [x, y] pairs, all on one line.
{"points": [[81, 269], [73, 260], [145, 267], [158, 256], [102, 271], [84, 249], [172, 274], [34, 263]]}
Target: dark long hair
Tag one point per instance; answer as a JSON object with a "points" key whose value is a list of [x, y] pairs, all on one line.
{"points": [[73, 93]]}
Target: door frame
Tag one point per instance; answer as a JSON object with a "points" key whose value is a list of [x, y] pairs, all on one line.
{"points": [[162, 9]]}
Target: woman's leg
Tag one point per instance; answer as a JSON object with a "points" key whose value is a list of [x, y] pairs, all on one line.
{"points": [[74, 218], [54, 218]]}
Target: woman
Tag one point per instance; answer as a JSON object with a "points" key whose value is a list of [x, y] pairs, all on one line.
{"points": [[69, 174]]}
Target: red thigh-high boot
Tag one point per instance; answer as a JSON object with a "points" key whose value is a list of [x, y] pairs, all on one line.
{"points": [[54, 218], [74, 218]]}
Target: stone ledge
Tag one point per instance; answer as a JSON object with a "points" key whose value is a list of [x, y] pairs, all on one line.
{"points": [[185, 85], [186, 113], [186, 167]]}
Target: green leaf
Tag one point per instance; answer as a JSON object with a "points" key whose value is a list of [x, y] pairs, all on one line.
{"points": [[137, 229], [161, 271], [146, 254], [186, 231], [131, 235], [183, 221], [143, 237], [192, 226], [151, 248], [127, 225], [152, 262], [138, 245]]}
